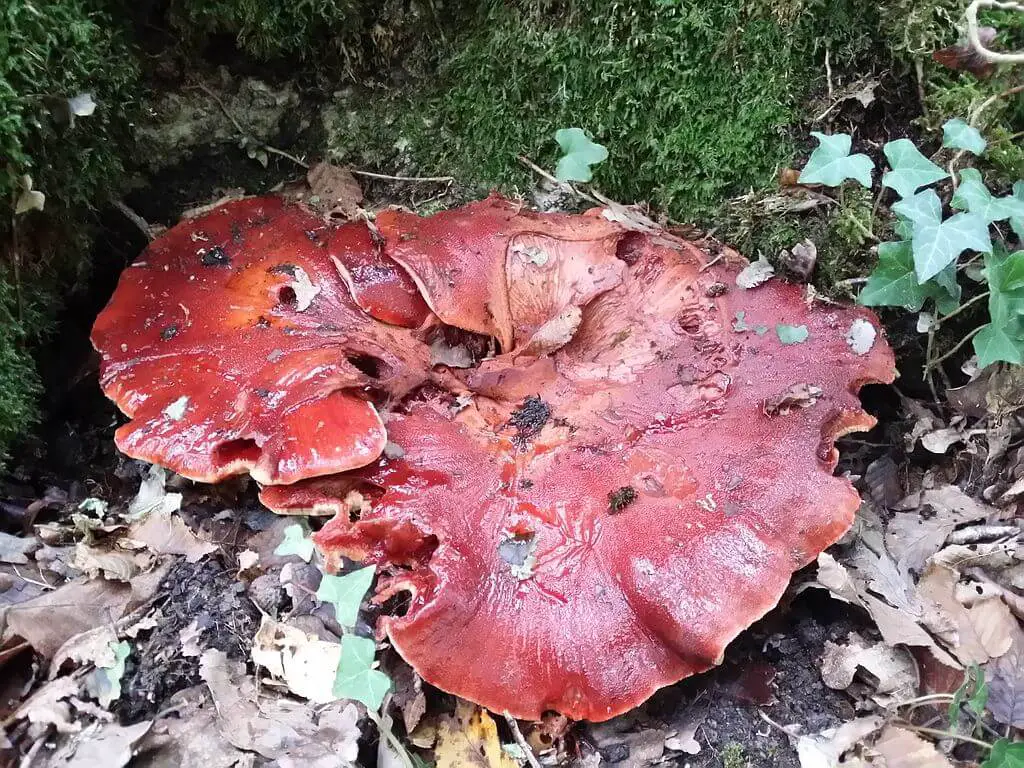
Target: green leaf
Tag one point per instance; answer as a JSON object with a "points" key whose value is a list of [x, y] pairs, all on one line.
{"points": [[1005, 274], [346, 593], [992, 344], [295, 542], [1017, 222], [105, 682], [1005, 754], [937, 244], [973, 691], [959, 135], [356, 678], [831, 162], [578, 154], [910, 169], [922, 208], [894, 283], [972, 195], [791, 334]]}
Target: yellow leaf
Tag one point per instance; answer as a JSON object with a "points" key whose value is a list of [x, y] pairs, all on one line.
{"points": [[470, 738]]}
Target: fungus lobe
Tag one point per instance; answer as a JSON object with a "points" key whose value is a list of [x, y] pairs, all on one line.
{"points": [[591, 514]]}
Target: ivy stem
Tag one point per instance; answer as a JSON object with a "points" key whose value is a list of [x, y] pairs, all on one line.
{"points": [[934, 363], [961, 308], [389, 735], [947, 735]]}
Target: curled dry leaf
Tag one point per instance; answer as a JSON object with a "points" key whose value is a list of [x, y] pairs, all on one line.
{"points": [[304, 663], [963, 55], [901, 748], [892, 669], [823, 750], [755, 274], [541, 470], [167, 534]]}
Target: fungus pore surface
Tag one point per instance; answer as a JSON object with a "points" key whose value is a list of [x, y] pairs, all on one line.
{"points": [[590, 511]]}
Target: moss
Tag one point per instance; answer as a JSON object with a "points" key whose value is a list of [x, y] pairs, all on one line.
{"points": [[52, 50], [734, 755], [691, 100]]}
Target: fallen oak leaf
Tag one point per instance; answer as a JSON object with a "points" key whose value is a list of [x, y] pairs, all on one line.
{"points": [[167, 534]]}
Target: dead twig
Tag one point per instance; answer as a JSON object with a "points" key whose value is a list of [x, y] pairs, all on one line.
{"points": [[387, 177], [247, 134], [140, 223], [564, 185], [524, 745]]}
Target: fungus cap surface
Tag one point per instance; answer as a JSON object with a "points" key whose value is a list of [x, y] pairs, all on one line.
{"points": [[592, 514]]}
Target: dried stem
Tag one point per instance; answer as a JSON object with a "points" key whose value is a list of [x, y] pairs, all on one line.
{"points": [[386, 177], [971, 14], [517, 734]]}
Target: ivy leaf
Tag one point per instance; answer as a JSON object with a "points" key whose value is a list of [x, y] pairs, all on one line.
{"points": [[1017, 222], [894, 283], [910, 169], [295, 542], [105, 682], [959, 135], [992, 344], [972, 195], [831, 162], [937, 244], [1005, 754], [924, 207], [346, 593], [356, 678], [791, 334], [578, 154]]}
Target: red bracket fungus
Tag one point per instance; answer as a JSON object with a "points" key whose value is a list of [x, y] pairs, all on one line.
{"points": [[592, 512]]}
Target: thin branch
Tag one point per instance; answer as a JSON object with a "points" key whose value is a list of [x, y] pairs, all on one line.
{"points": [[946, 735], [971, 14], [561, 184], [238, 126], [953, 351], [531, 758], [961, 308], [386, 177]]}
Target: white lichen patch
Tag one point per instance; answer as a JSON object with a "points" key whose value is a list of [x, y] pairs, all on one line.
{"points": [[176, 410], [861, 336], [304, 289]]}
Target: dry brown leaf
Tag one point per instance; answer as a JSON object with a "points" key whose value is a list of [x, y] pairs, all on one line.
{"points": [[904, 749], [893, 668], [303, 662], [16, 549], [294, 734], [823, 750], [926, 519], [48, 705], [334, 191], [50, 620], [469, 739], [102, 745], [983, 631], [1006, 683], [110, 564], [189, 736], [166, 534], [92, 647]]}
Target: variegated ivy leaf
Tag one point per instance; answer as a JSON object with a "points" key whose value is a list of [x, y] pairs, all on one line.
{"points": [[831, 162], [959, 135], [578, 154], [910, 169], [972, 195]]}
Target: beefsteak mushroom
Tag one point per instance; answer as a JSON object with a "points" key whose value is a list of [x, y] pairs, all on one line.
{"points": [[622, 473]]}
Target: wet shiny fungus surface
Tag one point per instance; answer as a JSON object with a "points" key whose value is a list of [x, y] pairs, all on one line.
{"points": [[591, 513]]}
